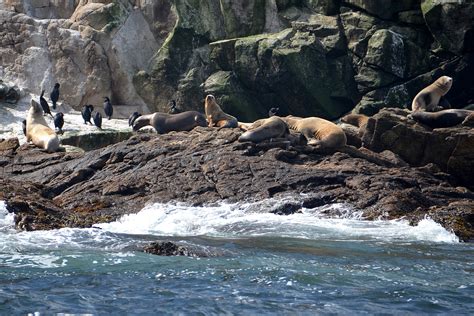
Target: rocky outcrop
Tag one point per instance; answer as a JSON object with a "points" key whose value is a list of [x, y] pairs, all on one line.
{"points": [[91, 52], [207, 165], [451, 149], [310, 57]]}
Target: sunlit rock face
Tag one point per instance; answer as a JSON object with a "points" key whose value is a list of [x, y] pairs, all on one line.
{"points": [[307, 57]]}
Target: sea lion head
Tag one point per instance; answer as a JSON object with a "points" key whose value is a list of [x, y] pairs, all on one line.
{"points": [[35, 107], [210, 98], [444, 83]]}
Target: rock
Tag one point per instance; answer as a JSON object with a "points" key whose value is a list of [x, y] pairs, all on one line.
{"points": [[207, 165], [8, 94], [99, 139], [10, 144], [385, 9], [452, 149], [451, 23], [167, 248]]}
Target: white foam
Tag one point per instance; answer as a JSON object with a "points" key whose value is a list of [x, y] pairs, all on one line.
{"points": [[244, 220], [7, 220]]}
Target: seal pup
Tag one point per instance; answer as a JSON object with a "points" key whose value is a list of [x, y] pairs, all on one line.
{"points": [[133, 117], [108, 108], [59, 121], [260, 130], [54, 96], [428, 98], [98, 120], [440, 119], [38, 131], [164, 122], [273, 112], [173, 109], [319, 132], [87, 113], [44, 104], [215, 116], [358, 120]]}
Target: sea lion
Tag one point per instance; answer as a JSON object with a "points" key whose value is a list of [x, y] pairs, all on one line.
{"points": [[444, 118], [38, 131], [108, 108], [164, 123], [358, 120], [319, 132], [215, 115], [428, 98], [54, 96], [273, 127]]}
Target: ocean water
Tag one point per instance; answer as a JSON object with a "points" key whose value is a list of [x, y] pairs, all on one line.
{"points": [[251, 262]]}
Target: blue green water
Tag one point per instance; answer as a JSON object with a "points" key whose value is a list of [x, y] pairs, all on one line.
{"points": [[255, 263]]}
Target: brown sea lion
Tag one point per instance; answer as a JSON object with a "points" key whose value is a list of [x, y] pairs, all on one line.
{"points": [[319, 132], [358, 120], [215, 115], [444, 118], [428, 98], [164, 123], [273, 127], [38, 131]]}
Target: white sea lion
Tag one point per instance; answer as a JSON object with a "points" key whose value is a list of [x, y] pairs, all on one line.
{"points": [[38, 131]]}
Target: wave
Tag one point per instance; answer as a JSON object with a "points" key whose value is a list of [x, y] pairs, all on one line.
{"points": [[254, 219]]}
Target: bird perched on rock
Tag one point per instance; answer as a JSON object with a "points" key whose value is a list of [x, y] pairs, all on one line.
{"points": [[98, 120], [59, 121], [173, 109], [273, 112], [133, 117], [44, 105], [87, 113], [23, 127], [108, 109], [54, 96]]}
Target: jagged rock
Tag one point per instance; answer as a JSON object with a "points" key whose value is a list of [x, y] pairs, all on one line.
{"points": [[8, 94], [168, 248], [385, 9], [451, 23], [10, 144], [452, 149], [208, 165]]}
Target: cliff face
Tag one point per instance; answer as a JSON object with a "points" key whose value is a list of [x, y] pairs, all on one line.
{"points": [[309, 57]]}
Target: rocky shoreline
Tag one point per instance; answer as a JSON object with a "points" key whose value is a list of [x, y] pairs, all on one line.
{"points": [[204, 166]]}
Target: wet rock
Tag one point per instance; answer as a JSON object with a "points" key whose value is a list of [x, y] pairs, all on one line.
{"points": [[208, 165], [168, 248]]}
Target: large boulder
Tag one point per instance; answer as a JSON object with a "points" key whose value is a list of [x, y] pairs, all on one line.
{"points": [[385, 9], [452, 23], [451, 149]]}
